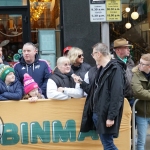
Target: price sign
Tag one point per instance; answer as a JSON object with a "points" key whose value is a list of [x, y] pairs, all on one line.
{"points": [[105, 10], [113, 10]]}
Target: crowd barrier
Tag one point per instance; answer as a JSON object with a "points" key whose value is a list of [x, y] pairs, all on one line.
{"points": [[133, 125], [53, 125]]}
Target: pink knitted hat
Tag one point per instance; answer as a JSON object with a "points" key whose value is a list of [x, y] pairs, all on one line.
{"points": [[29, 83]]}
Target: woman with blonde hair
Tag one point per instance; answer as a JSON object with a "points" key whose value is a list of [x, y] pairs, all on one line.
{"points": [[76, 57]]}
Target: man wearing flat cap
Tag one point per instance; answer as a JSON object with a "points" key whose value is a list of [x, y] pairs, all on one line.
{"points": [[122, 52]]}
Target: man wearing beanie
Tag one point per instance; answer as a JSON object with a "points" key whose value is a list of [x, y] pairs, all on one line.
{"points": [[10, 87]]}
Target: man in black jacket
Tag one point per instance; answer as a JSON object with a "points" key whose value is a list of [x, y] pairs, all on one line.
{"points": [[122, 52], [104, 105]]}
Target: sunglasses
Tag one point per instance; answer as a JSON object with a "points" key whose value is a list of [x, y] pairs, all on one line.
{"points": [[79, 56]]}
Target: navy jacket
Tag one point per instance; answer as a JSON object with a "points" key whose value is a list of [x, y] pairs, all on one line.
{"points": [[39, 71], [13, 92]]}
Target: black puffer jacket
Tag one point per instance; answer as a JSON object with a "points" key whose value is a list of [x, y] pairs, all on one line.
{"points": [[62, 80], [108, 98], [81, 70]]}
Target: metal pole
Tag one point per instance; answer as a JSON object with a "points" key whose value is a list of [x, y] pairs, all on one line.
{"points": [[133, 124], [105, 33]]}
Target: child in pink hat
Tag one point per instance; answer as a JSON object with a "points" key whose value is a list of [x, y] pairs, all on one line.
{"points": [[31, 89]]}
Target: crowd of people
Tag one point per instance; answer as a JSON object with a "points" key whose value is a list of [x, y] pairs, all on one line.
{"points": [[105, 85]]}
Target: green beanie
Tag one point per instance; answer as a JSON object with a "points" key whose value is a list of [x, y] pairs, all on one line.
{"points": [[5, 70]]}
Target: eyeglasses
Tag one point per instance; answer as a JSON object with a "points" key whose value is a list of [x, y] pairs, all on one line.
{"points": [[79, 56], [93, 53], [143, 64]]}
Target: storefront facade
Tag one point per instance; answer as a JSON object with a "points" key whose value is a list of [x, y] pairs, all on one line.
{"points": [[21, 20]]}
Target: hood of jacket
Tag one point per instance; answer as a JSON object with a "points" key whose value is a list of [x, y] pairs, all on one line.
{"points": [[120, 62], [22, 61], [135, 69]]}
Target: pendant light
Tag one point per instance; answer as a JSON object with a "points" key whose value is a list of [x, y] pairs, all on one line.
{"points": [[128, 24], [135, 14]]}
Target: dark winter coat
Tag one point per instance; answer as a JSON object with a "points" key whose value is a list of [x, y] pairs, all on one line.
{"points": [[13, 92], [108, 98], [81, 70], [91, 76], [130, 64], [39, 71]]}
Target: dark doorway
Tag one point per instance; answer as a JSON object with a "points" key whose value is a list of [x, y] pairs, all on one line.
{"points": [[15, 28]]}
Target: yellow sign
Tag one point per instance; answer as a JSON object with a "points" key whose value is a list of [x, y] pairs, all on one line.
{"points": [[53, 125], [113, 11]]}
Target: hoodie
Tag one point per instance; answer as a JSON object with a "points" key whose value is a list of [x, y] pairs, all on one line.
{"points": [[39, 70]]}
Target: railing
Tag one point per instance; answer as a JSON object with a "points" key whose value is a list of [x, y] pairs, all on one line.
{"points": [[133, 124]]}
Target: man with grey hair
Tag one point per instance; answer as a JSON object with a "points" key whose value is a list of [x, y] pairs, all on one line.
{"points": [[104, 105]]}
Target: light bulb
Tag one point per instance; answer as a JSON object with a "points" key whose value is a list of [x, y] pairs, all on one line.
{"points": [[127, 9], [128, 25], [134, 15]]}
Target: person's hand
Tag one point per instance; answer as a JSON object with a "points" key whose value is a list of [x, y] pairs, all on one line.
{"points": [[1, 61], [60, 89], [33, 99], [109, 123], [76, 78]]}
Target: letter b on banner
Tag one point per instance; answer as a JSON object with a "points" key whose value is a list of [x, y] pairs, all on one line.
{"points": [[10, 135]]}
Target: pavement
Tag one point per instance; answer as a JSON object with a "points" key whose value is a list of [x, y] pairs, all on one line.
{"points": [[147, 147]]}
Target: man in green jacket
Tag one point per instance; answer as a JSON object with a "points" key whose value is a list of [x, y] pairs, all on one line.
{"points": [[141, 89]]}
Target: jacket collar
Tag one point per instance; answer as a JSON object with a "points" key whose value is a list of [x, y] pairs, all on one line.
{"points": [[22, 61]]}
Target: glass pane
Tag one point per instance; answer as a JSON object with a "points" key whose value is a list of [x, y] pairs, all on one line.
{"points": [[135, 27], [44, 14], [11, 30], [13, 2]]}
